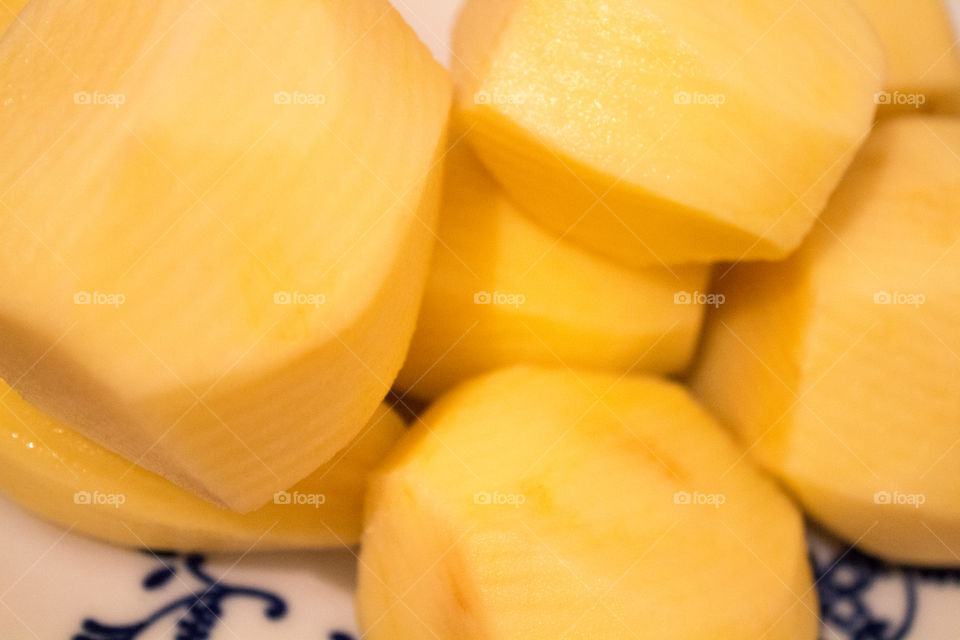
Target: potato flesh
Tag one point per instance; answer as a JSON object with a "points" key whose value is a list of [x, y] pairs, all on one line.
{"points": [[503, 291], [854, 383], [578, 117], [8, 13], [201, 198], [600, 546], [44, 466], [922, 54]]}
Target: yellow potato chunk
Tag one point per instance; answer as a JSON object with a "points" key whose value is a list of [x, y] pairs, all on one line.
{"points": [[63, 477], [503, 291], [839, 368], [668, 130], [8, 12], [922, 53], [215, 226], [533, 503]]}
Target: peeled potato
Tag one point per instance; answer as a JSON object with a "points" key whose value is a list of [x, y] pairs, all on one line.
{"points": [[668, 130], [63, 477], [922, 53], [216, 226], [839, 367], [549, 504], [503, 291], [8, 12]]}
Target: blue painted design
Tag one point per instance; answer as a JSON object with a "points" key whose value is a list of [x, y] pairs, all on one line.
{"points": [[199, 612], [845, 582], [340, 635]]}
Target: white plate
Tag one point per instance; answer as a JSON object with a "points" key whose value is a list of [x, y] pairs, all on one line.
{"points": [[55, 585]]}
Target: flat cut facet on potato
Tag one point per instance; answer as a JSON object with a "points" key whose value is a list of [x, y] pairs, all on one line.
{"points": [[534, 503], [668, 131], [216, 225], [839, 368], [502, 291]]}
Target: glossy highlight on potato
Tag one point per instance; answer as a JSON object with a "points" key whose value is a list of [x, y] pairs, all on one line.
{"points": [[59, 475]]}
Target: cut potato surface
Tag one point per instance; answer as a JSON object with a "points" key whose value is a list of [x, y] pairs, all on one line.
{"points": [[215, 226], [504, 291], [8, 12], [668, 130], [839, 367], [63, 477], [922, 54], [542, 504]]}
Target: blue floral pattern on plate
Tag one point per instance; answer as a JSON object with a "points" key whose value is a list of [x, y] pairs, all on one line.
{"points": [[846, 580], [199, 611]]}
